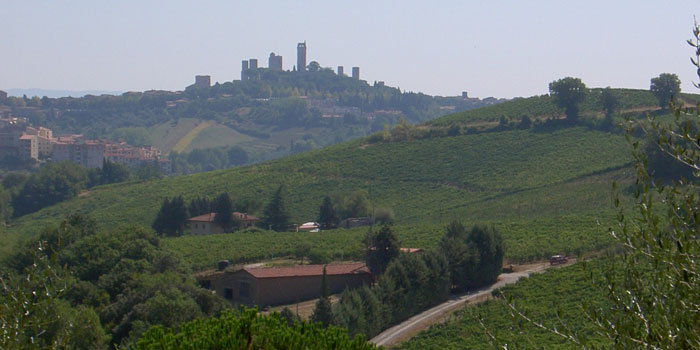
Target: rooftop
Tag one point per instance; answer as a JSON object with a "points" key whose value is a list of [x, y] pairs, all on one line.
{"points": [[307, 270]]}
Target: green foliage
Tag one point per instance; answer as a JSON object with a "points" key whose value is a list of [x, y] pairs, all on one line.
{"points": [[33, 316], [568, 93], [322, 311], [411, 284], [354, 204], [171, 218], [654, 288], [469, 176], [275, 216], [125, 277], [475, 258], [610, 101], [55, 182], [326, 214], [384, 216], [222, 205], [199, 206], [113, 173], [666, 87], [382, 248], [246, 329]]}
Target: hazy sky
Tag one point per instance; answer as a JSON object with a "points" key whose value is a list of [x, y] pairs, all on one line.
{"points": [[488, 48]]}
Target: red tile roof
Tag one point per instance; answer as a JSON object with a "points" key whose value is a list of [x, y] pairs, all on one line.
{"points": [[205, 217], [210, 217], [307, 270]]}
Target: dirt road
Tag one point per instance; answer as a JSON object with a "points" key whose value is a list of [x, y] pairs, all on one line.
{"points": [[417, 323]]}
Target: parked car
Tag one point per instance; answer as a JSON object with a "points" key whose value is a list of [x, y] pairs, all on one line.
{"points": [[557, 260], [309, 226]]}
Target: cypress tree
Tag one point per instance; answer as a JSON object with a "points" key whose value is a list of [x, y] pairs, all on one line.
{"points": [[323, 312], [223, 207], [326, 216], [275, 215]]}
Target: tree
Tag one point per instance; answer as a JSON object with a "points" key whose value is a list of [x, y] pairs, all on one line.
{"points": [[275, 214], [326, 215], [666, 87], [237, 156], [474, 257], [568, 93], [382, 248], [302, 250], [610, 102], [323, 312], [113, 172], [55, 182], [199, 206], [223, 208], [654, 286], [314, 66], [171, 218]]}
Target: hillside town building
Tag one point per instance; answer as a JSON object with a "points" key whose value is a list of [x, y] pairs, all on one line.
{"points": [[19, 139], [264, 286], [204, 224]]}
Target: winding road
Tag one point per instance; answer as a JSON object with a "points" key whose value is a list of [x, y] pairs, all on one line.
{"points": [[419, 322]]}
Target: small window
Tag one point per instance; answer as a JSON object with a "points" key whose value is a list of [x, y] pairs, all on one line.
{"points": [[228, 293], [206, 284], [244, 290]]}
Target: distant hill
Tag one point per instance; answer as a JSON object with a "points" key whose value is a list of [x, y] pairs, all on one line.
{"points": [[59, 93], [545, 186], [275, 114]]}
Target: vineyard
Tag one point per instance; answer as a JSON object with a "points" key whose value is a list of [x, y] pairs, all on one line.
{"points": [[497, 175], [535, 181], [525, 240], [543, 297]]}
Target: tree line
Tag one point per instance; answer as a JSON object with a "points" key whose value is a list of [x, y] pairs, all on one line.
{"points": [[410, 283]]}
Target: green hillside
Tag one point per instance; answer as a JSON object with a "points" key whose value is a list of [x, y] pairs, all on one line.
{"points": [[540, 297], [545, 188], [421, 180]]}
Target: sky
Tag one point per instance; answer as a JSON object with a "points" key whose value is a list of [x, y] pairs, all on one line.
{"points": [[487, 48]]}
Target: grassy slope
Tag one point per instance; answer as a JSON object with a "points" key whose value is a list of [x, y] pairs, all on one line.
{"points": [[540, 297], [217, 135], [166, 135]]}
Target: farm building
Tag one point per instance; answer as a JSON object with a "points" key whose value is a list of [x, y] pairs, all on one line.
{"points": [[205, 225], [263, 286]]}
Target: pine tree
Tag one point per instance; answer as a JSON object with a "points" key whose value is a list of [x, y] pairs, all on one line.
{"points": [[382, 247], [275, 215]]}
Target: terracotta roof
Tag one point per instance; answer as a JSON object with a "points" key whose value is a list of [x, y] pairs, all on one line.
{"points": [[205, 217], [210, 217], [307, 270]]}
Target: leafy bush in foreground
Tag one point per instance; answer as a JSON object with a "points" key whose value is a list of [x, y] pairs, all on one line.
{"points": [[246, 329]]}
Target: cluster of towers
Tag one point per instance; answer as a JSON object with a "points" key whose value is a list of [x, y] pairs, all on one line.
{"points": [[275, 64]]}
